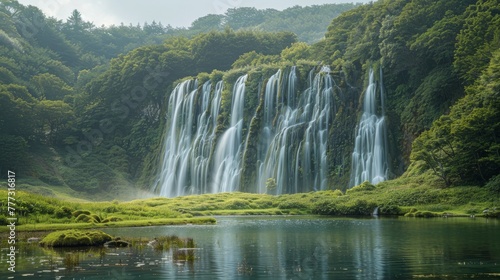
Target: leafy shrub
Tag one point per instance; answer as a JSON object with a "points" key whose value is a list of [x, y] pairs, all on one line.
{"points": [[79, 212], [390, 209], [337, 193], [84, 218], [425, 214], [111, 219], [492, 214], [96, 218], [63, 212], [236, 203], [292, 204], [263, 203], [111, 209], [494, 184], [365, 186], [3, 220], [438, 207], [344, 207]]}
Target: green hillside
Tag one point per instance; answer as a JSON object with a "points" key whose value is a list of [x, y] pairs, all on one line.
{"points": [[84, 110]]}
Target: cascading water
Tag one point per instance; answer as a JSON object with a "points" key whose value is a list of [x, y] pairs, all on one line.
{"points": [[205, 138], [296, 157], [293, 137], [369, 159], [227, 161], [187, 151]]}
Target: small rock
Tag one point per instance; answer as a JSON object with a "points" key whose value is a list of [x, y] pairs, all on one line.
{"points": [[117, 243]]}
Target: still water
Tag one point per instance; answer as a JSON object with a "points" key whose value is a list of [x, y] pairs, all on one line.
{"points": [[289, 248]]}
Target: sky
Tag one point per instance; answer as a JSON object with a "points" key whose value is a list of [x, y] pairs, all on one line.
{"points": [[176, 13]]}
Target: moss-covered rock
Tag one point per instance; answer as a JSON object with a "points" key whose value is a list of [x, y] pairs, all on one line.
{"points": [[75, 238]]}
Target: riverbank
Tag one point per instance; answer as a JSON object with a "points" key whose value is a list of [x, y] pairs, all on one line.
{"points": [[404, 196]]}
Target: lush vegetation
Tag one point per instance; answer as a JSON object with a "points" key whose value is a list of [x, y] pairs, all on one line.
{"points": [[81, 107], [97, 116], [309, 23], [38, 212], [408, 195]]}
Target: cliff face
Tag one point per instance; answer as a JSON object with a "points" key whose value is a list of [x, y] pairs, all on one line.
{"points": [[268, 129]]}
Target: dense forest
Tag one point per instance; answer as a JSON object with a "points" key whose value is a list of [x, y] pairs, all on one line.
{"points": [[85, 106]]}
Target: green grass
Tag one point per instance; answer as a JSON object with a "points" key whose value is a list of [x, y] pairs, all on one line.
{"points": [[420, 196]]}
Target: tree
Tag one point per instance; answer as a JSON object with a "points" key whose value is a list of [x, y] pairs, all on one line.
{"points": [[55, 116], [76, 23], [14, 153], [296, 51], [253, 59], [51, 87], [207, 23], [479, 37], [463, 146], [237, 18], [16, 115], [436, 149]]}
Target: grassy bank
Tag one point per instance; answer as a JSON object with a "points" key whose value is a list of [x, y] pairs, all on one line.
{"points": [[408, 196]]}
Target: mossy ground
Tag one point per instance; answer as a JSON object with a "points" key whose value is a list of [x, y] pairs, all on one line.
{"points": [[420, 196], [75, 238]]}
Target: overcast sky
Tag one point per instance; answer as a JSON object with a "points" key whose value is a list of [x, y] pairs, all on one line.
{"points": [[175, 13]]}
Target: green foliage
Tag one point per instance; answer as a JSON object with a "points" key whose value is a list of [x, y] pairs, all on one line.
{"points": [[462, 147], [14, 151], [63, 212], [478, 39], [344, 207], [50, 87], [75, 238], [296, 52], [427, 49], [494, 184], [390, 209], [218, 50], [236, 204], [270, 184], [55, 116], [421, 214], [254, 59], [84, 218], [77, 213], [173, 242], [365, 186], [293, 204]]}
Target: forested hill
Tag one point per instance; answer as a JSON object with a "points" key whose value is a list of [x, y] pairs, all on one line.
{"points": [[83, 107], [309, 23]]}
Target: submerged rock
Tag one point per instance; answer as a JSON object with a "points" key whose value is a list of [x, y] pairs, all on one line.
{"points": [[117, 243]]}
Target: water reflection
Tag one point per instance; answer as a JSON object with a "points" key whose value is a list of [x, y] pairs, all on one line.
{"points": [[290, 248]]}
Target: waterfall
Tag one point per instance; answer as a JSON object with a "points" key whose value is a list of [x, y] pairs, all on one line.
{"points": [[189, 139], [205, 138], [296, 135], [369, 158], [291, 134], [229, 148]]}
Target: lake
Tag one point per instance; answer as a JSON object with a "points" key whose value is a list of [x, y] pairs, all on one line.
{"points": [[293, 247]]}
